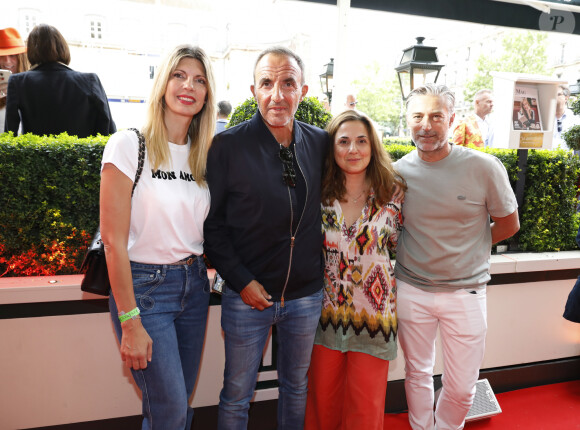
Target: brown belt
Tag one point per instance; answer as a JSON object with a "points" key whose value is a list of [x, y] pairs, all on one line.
{"points": [[186, 261]]}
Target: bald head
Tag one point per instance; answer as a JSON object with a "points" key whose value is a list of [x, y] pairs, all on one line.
{"points": [[350, 102], [483, 103]]}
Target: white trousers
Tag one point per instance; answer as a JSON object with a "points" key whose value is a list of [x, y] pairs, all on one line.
{"points": [[462, 321]]}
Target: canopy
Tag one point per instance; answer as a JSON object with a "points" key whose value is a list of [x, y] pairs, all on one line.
{"points": [[526, 14]]}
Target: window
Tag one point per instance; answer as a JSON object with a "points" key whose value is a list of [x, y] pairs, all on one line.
{"points": [[28, 18], [95, 25], [96, 29]]}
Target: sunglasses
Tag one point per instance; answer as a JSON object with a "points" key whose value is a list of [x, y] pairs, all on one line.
{"points": [[288, 175], [559, 123]]}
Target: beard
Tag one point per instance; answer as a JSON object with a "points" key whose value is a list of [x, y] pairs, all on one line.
{"points": [[430, 146]]}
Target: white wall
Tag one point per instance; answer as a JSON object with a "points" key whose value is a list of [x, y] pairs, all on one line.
{"points": [[68, 369]]}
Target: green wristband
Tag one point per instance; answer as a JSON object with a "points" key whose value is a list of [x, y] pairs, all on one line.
{"points": [[129, 315]]}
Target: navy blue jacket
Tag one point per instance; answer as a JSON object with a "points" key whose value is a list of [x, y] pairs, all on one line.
{"points": [[572, 308], [247, 232], [53, 99]]}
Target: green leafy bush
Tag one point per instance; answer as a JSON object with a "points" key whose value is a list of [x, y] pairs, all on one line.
{"points": [[310, 111], [508, 157], [243, 112], [397, 151], [50, 200], [549, 221], [575, 106], [50, 195], [398, 141], [572, 135], [548, 218]]}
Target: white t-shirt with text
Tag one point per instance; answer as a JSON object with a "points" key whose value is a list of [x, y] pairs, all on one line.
{"points": [[168, 208]]}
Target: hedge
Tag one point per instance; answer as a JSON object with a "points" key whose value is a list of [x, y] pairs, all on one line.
{"points": [[548, 218], [50, 200], [310, 111]]}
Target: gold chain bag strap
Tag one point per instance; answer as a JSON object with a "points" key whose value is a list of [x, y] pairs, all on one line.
{"points": [[96, 279]]}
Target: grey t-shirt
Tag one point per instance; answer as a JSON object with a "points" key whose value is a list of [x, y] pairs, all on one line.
{"points": [[446, 237]]}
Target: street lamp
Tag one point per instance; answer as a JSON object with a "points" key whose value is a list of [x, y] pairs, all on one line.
{"points": [[419, 65], [326, 79]]}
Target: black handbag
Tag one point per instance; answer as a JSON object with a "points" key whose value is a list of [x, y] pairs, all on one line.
{"points": [[96, 279]]}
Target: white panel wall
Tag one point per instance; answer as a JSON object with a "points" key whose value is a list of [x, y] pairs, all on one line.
{"points": [[65, 369]]}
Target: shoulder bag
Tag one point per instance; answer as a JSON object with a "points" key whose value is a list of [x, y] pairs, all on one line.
{"points": [[96, 279]]}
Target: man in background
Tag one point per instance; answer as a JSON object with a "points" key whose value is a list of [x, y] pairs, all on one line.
{"points": [[476, 129], [350, 102], [223, 111], [565, 118]]}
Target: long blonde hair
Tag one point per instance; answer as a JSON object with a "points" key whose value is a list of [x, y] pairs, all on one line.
{"points": [[202, 126], [23, 66]]}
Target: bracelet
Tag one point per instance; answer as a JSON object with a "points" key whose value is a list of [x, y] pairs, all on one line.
{"points": [[134, 314]]}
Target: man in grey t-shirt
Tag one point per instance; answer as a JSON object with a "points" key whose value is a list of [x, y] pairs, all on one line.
{"points": [[443, 258]]}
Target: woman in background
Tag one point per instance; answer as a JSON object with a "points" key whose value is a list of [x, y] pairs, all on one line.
{"points": [[154, 240], [51, 98], [526, 115], [13, 59], [356, 336]]}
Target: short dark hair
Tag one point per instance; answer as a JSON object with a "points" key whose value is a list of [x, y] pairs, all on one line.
{"points": [[224, 108], [285, 52], [46, 44]]}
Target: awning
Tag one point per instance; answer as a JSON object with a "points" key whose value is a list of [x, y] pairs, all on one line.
{"points": [[557, 15]]}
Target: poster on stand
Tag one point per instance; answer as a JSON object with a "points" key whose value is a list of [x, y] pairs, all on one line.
{"points": [[526, 110]]}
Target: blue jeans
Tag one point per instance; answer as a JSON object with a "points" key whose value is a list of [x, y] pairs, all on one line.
{"points": [[246, 331], [174, 302]]}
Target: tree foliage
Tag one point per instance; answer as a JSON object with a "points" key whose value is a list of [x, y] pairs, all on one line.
{"points": [[523, 52], [572, 135], [310, 111], [379, 95]]}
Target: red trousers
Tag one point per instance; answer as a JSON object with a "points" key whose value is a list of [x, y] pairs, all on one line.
{"points": [[346, 391]]}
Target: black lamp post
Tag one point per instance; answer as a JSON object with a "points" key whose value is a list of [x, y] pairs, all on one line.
{"points": [[419, 65], [326, 79]]}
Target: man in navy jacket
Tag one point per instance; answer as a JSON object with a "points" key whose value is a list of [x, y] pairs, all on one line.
{"points": [[263, 235]]}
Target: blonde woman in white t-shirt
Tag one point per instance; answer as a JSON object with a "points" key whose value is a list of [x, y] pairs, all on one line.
{"points": [[154, 239]]}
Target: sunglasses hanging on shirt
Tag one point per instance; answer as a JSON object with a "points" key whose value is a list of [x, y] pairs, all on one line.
{"points": [[288, 174]]}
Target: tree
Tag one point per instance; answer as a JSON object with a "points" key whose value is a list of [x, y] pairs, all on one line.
{"points": [[379, 95], [523, 52], [572, 135], [310, 111]]}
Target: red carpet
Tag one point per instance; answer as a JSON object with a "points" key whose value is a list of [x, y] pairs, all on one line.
{"points": [[549, 407]]}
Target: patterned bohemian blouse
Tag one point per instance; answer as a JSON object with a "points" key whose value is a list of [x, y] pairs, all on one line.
{"points": [[359, 309]]}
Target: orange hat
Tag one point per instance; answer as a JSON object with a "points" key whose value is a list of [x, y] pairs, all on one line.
{"points": [[10, 42]]}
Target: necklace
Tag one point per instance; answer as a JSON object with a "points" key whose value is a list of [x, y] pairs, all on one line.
{"points": [[355, 199]]}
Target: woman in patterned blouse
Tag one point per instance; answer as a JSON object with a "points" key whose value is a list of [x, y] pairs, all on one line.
{"points": [[356, 336]]}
